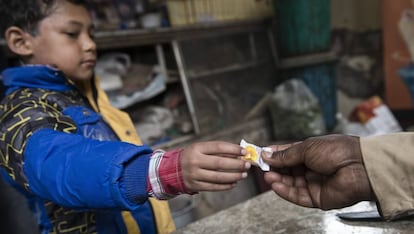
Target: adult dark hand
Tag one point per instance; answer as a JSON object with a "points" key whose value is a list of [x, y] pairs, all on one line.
{"points": [[324, 172]]}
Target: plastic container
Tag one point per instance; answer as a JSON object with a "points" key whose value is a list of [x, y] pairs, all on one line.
{"points": [[151, 20], [185, 12]]}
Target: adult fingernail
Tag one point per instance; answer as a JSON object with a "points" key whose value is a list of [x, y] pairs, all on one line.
{"points": [[244, 175], [267, 152]]}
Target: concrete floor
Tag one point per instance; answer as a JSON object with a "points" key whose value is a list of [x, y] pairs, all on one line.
{"points": [[187, 209]]}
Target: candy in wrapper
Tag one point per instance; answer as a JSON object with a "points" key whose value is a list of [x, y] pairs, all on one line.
{"points": [[253, 154]]}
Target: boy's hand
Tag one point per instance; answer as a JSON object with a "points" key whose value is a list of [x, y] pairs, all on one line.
{"points": [[213, 166]]}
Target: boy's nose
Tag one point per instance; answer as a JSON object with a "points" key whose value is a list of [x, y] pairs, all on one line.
{"points": [[89, 44]]}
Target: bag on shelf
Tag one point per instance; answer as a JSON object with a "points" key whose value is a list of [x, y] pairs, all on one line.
{"points": [[295, 111]]}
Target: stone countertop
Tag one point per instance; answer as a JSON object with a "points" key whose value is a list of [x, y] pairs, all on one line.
{"points": [[268, 213]]}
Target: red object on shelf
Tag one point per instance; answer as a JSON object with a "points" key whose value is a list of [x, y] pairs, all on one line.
{"points": [[375, 116]]}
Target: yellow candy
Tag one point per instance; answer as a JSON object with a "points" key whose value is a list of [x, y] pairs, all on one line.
{"points": [[251, 154]]}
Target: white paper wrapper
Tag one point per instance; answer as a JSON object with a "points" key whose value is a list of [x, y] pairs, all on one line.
{"points": [[254, 153]]}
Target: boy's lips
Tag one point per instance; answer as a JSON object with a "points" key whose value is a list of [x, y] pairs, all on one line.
{"points": [[89, 62]]}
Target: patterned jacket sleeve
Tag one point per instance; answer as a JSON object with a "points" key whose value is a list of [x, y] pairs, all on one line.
{"points": [[21, 116], [40, 153]]}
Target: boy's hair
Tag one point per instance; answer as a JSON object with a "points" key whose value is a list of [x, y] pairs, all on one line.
{"points": [[26, 14]]}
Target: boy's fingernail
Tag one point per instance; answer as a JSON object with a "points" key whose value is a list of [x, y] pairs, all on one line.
{"points": [[267, 152], [247, 165], [243, 151], [244, 175]]}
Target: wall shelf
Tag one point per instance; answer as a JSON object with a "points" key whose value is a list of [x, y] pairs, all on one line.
{"points": [[141, 37], [138, 37]]}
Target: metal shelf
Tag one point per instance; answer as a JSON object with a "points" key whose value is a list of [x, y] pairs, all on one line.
{"points": [[307, 60], [222, 70]]}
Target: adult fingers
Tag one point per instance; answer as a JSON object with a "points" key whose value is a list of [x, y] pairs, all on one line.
{"points": [[289, 189], [272, 177], [286, 157], [297, 195], [287, 179], [280, 147]]}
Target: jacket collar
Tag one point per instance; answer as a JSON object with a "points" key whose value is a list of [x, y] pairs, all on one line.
{"points": [[34, 76]]}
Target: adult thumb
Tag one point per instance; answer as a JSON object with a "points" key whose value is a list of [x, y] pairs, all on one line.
{"points": [[284, 155]]}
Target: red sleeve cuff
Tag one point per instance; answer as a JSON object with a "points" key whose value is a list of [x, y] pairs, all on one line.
{"points": [[165, 176]]}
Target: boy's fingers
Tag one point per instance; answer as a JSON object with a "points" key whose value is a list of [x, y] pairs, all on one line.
{"points": [[222, 148], [218, 177], [224, 164], [206, 186]]}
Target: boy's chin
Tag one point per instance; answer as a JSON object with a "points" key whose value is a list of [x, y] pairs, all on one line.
{"points": [[77, 79]]}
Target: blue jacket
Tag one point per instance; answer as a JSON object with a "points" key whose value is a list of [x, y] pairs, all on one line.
{"points": [[61, 154]]}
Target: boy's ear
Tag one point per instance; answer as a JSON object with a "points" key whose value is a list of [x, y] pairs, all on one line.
{"points": [[19, 41]]}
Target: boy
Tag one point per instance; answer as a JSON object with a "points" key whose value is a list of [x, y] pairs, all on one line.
{"points": [[75, 158]]}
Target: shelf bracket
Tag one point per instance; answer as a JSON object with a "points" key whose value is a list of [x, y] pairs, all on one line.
{"points": [[253, 50], [184, 81], [273, 48], [161, 61]]}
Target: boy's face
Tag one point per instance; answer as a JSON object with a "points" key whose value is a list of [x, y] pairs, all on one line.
{"points": [[65, 41]]}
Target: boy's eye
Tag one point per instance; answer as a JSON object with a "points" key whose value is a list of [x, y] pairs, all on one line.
{"points": [[72, 34]]}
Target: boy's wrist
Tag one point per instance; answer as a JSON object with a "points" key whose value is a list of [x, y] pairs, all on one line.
{"points": [[165, 179]]}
